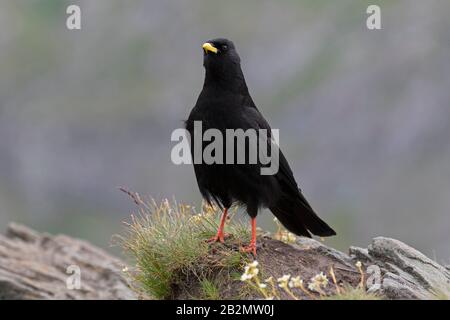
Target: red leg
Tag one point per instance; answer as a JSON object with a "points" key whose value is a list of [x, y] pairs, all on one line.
{"points": [[252, 247], [220, 234]]}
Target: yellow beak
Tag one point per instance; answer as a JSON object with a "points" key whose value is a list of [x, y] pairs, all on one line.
{"points": [[208, 47]]}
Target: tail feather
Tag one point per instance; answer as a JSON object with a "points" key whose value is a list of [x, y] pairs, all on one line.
{"points": [[289, 223], [299, 218]]}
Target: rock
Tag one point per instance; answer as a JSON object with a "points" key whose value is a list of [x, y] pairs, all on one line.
{"points": [[35, 266], [405, 272], [306, 258], [39, 266]]}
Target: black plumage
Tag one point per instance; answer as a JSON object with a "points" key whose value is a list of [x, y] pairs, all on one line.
{"points": [[225, 103]]}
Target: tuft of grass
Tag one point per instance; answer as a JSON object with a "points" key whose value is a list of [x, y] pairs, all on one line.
{"points": [[350, 293], [167, 242], [210, 290]]}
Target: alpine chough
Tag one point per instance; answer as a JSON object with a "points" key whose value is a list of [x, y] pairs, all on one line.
{"points": [[225, 103]]}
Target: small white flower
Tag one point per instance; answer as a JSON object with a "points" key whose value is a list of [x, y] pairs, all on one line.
{"points": [[291, 238], [245, 277], [263, 285], [296, 282], [283, 281], [358, 264], [317, 282], [285, 236], [254, 264], [284, 278], [251, 270], [312, 286]]}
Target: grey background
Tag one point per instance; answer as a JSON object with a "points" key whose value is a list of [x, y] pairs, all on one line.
{"points": [[363, 115]]}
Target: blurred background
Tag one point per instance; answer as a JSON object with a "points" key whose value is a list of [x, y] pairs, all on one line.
{"points": [[364, 116]]}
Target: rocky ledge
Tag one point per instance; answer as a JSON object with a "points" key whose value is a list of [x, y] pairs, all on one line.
{"points": [[37, 265]]}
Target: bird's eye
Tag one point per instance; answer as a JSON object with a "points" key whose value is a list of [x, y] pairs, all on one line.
{"points": [[224, 47]]}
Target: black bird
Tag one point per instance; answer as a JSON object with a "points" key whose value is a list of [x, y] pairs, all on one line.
{"points": [[225, 103]]}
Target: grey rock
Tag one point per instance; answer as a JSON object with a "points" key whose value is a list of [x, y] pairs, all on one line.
{"points": [[361, 254], [34, 266], [405, 272], [322, 249], [38, 266]]}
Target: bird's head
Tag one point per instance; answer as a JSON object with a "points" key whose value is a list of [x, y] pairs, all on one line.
{"points": [[221, 59]]}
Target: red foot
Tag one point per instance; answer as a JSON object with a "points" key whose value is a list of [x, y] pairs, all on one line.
{"points": [[250, 249], [218, 238], [220, 234]]}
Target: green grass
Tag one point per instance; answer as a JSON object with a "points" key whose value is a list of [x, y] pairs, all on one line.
{"points": [[167, 242], [172, 259], [350, 293], [210, 290]]}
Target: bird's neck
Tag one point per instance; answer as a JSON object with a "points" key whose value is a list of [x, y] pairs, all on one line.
{"points": [[229, 80]]}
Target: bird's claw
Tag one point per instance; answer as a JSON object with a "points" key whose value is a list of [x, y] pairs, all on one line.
{"points": [[218, 238], [249, 249]]}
